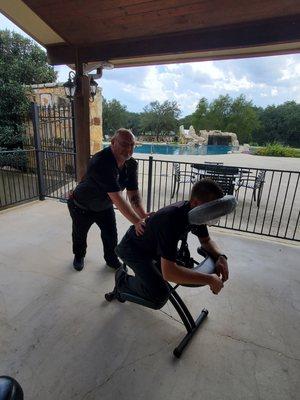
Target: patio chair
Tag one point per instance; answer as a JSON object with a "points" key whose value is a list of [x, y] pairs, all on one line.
{"points": [[179, 177], [223, 175], [254, 182], [213, 163]]}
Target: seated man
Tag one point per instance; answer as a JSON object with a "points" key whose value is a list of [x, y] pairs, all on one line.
{"points": [[159, 242]]}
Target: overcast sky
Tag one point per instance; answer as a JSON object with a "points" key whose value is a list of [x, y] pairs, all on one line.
{"points": [[264, 80]]}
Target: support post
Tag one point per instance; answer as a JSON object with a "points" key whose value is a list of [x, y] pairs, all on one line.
{"points": [[74, 138], [38, 153], [82, 122]]}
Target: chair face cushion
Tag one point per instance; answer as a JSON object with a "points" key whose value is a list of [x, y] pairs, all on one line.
{"points": [[212, 210], [207, 266]]}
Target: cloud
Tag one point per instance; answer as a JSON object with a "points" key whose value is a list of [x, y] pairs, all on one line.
{"points": [[291, 71], [264, 80], [208, 68]]}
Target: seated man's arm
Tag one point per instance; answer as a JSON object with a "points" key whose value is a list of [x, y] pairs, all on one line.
{"points": [[221, 262], [125, 208], [175, 273]]}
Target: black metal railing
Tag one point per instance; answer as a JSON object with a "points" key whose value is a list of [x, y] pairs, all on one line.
{"points": [[268, 200], [54, 141], [18, 177]]}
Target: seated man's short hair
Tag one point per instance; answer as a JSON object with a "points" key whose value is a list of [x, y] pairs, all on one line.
{"points": [[207, 189]]}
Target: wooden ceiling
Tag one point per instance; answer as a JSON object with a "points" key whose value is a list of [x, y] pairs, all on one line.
{"points": [[139, 32]]}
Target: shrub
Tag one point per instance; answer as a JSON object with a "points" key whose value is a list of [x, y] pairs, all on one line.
{"points": [[277, 150]]}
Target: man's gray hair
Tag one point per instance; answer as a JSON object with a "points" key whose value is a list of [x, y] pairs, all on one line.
{"points": [[120, 131]]}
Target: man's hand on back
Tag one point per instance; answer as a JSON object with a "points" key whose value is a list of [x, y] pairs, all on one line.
{"points": [[139, 228]]}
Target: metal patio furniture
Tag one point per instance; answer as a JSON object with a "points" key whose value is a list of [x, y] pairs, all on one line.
{"points": [[181, 176], [225, 176], [254, 182]]}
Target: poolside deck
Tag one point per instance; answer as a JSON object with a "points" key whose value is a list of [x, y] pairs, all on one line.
{"points": [[62, 341]]}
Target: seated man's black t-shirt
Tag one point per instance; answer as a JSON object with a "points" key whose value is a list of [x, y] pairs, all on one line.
{"points": [[103, 176], [163, 231]]}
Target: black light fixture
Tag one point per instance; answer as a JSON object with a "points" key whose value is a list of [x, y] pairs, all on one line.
{"points": [[70, 85], [93, 88]]}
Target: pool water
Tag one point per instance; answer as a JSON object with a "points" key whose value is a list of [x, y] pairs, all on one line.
{"points": [[150, 148]]}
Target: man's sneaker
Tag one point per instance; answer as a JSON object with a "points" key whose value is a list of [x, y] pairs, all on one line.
{"points": [[120, 275], [116, 265], [78, 263]]}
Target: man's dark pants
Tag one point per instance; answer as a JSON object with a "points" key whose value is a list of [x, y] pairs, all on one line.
{"points": [[148, 282], [83, 220]]}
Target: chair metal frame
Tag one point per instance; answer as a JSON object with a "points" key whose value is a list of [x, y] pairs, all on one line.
{"points": [[225, 176], [180, 176], [255, 182], [192, 325]]}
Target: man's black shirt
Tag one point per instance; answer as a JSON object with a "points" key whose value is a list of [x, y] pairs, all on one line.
{"points": [[163, 231], [103, 176]]}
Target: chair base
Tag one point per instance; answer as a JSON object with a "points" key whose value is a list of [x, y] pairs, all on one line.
{"points": [[190, 324], [182, 345]]}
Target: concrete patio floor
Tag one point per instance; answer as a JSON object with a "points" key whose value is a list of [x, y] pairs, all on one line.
{"points": [[61, 340]]}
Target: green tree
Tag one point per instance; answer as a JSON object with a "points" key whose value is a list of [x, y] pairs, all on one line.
{"points": [[219, 113], [199, 117], [279, 123], [114, 116], [134, 122], [243, 119], [160, 118], [22, 62], [228, 115], [186, 121]]}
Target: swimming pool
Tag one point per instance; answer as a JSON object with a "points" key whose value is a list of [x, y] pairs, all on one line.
{"points": [[149, 148]]}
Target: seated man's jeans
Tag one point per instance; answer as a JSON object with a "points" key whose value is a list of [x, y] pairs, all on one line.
{"points": [[148, 282]]}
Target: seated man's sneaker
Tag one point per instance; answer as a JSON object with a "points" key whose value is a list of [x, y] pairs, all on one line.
{"points": [[120, 275], [78, 263], [114, 265]]}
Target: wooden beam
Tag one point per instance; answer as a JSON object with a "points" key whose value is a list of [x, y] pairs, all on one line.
{"points": [[267, 32]]}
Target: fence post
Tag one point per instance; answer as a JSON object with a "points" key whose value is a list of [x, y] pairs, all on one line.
{"points": [[37, 145], [149, 191], [74, 136]]}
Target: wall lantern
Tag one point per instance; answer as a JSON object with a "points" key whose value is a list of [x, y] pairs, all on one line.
{"points": [[93, 88], [70, 85]]}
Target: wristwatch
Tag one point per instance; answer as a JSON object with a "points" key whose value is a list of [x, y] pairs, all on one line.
{"points": [[223, 255]]}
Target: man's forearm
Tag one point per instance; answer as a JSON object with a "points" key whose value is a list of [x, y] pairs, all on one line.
{"points": [[211, 247], [124, 207], [136, 204], [177, 274], [139, 209]]}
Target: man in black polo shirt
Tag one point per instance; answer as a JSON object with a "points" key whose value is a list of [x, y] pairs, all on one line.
{"points": [[159, 242], [110, 171]]}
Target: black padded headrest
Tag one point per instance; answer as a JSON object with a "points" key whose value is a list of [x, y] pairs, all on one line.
{"points": [[212, 210]]}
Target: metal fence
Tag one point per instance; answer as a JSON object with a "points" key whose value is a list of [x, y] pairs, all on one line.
{"points": [[18, 177], [53, 138], [45, 167], [268, 200]]}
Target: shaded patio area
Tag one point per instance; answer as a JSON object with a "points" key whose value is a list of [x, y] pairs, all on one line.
{"points": [[61, 340]]}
